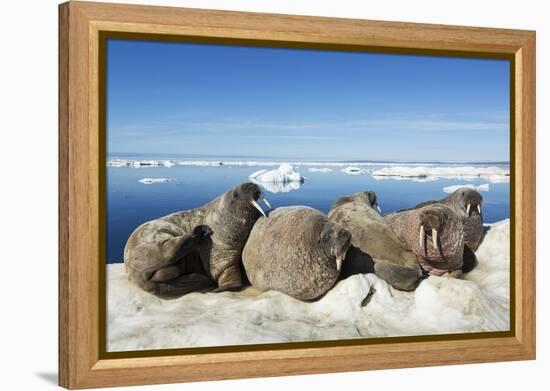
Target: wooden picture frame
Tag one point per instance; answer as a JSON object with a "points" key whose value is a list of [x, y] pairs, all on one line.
{"points": [[83, 362]]}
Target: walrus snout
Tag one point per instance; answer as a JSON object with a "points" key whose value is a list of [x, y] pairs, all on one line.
{"points": [[471, 201], [373, 200], [336, 240], [202, 231], [252, 193], [431, 221]]}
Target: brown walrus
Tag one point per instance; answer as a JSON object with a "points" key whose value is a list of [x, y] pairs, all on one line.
{"points": [[435, 234], [194, 249], [297, 251], [375, 247]]}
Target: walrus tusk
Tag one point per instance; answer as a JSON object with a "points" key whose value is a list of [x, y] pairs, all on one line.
{"points": [[479, 209], [257, 206], [379, 209], [265, 201], [339, 260], [434, 237], [421, 236], [468, 209]]}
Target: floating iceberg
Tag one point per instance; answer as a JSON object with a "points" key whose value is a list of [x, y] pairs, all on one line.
{"points": [[361, 306], [491, 174], [279, 187], [284, 174], [140, 163], [314, 169], [149, 181], [453, 188], [351, 170], [281, 180]]}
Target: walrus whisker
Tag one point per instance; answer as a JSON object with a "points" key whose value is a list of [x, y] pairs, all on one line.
{"points": [[421, 236], [257, 206], [434, 237], [266, 202], [468, 209]]}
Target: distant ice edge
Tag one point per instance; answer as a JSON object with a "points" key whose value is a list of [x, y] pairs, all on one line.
{"points": [[427, 173], [477, 303]]}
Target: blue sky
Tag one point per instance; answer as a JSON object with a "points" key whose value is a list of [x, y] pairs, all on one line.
{"points": [[215, 100]]}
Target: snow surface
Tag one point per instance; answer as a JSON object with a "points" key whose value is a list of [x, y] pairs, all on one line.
{"points": [[491, 174], [324, 169], [149, 181], [453, 188], [361, 306], [140, 163]]}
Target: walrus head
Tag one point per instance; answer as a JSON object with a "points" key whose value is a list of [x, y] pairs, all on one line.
{"points": [[250, 192], [373, 200], [432, 219], [335, 241], [368, 197], [468, 200]]}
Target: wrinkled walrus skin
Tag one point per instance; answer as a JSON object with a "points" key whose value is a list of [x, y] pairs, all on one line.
{"points": [[194, 249], [295, 251], [374, 245], [435, 233]]}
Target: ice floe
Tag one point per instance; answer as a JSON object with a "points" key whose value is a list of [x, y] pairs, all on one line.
{"points": [[351, 170], [149, 181], [323, 169], [361, 306], [453, 188], [491, 174], [201, 163], [140, 163]]}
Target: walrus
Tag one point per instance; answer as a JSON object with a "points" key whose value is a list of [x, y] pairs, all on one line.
{"points": [[375, 247], [443, 253], [194, 249], [296, 251], [467, 204]]}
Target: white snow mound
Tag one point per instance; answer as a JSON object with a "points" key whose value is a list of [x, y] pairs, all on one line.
{"points": [[361, 306]]}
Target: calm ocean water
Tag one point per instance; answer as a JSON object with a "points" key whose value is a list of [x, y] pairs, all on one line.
{"points": [[131, 203]]}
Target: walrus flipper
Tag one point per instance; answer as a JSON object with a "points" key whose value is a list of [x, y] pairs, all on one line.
{"points": [[179, 246], [182, 285], [470, 260], [230, 279], [402, 277]]}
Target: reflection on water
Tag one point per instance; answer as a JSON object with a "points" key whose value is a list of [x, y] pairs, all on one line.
{"points": [[131, 203]]}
